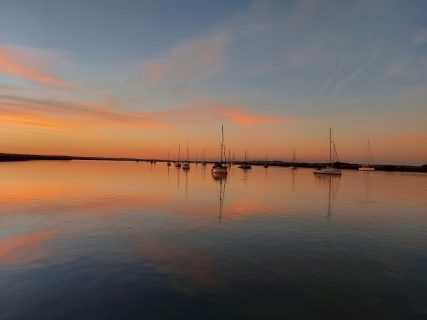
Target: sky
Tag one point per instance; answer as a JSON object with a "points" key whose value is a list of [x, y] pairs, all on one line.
{"points": [[138, 78]]}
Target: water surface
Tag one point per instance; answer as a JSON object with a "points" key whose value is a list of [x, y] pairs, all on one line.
{"points": [[112, 240]]}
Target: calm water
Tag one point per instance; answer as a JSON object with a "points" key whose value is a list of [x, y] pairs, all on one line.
{"points": [[105, 240]]}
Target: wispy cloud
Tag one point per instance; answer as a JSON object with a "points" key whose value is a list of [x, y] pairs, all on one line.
{"points": [[239, 115], [54, 114], [22, 63], [333, 76], [194, 58], [206, 110], [361, 68]]}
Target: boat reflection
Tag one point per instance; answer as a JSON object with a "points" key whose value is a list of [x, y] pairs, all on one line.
{"points": [[221, 179], [333, 184], [186, 184]]}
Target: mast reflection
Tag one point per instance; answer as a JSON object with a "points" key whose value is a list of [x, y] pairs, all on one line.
{"points": [[333, 183], [221, 179]]}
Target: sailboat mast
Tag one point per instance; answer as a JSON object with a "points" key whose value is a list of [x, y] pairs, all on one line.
{"points": [[222, 141], [179, 152], [330, 145]]}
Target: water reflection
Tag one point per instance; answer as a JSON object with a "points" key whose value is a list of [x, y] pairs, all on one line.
{"points": [[333, 184], [113, 234], [221, 180]]}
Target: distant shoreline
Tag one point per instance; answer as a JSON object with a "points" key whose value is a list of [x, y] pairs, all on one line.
{"points": [[11, 157]]}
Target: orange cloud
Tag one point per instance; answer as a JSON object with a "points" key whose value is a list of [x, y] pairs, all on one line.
{"points": [[241, 116], [52, 114], [18, 62]]}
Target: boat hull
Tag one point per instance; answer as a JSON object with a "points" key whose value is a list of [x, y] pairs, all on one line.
{"points": [[186, 166], [366, 169], [330, 171], [219, 170]]}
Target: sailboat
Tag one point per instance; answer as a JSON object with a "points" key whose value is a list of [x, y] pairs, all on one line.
{"points": [[245, 164], [203, 158], [368, 166], [266, 161], [186, 165], [221, 167], [169, 163], [178, 163], [329, 169], [229, 158], [294, 161]]}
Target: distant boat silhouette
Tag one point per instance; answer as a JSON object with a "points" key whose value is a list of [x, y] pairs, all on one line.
{"points": [[186, 165], [169, 163], [245, 165], [220, 167], [294, 161], [203, 158], [329, 169], [266, 161], [178, 163], [368, 166]]}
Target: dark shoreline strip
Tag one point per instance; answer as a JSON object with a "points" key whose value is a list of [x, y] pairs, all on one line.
{"points": [[9, 157]]}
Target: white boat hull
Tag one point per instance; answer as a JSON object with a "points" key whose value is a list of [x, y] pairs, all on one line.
{"points": [[328, 170], [366, 169], [219, 170]]}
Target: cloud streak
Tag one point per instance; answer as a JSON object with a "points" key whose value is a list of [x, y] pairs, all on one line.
{"points": [[21, 63], [53, 114], [192, 59], [239, 115]]}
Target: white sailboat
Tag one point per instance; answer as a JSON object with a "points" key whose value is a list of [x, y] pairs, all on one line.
{"points": [[221, 167], [368, 165], [329, 169]]}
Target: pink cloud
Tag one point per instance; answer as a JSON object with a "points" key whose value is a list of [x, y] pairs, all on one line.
{"points": [[240, 115], [21, 63], [54, 114]]}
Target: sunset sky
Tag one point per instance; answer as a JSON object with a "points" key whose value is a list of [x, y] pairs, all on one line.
{"points": [[137, 78]]}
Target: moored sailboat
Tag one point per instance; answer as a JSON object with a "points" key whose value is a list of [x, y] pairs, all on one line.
{"points": [[186, 165], [245, 165], [294, 161], [169, 163], [178, 163], [266, 161], [329, 169], [221, 167], [368, 165]]}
